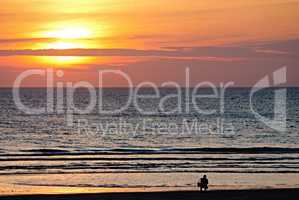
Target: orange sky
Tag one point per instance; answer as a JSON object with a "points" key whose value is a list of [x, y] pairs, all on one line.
{"points": [[145, 38]]}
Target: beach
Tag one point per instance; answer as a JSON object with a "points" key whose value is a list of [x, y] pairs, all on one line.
{"points": [[121, 99], [121, 153], [190, 195]]}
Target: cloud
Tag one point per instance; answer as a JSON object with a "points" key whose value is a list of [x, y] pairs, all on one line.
{"points": [[25, 40], [288, 46], [214, 63], [286, 49]]}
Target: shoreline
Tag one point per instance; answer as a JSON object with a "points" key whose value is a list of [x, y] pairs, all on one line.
{"points": [[63, 184], [174, 195]]}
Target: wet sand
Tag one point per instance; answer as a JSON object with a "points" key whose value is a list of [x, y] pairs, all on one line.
{"points": [[188, 195]]}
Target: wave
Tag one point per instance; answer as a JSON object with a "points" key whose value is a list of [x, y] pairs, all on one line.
{"points": [[41, 158], [149, 166], [128, 151], [47, 151], [155, 172]]}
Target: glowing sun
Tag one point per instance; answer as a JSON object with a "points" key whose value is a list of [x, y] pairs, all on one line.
{"points": [[70, 33], [69, 37]]}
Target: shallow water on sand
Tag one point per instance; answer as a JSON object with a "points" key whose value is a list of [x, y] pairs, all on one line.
{"points": [[123, 182]]}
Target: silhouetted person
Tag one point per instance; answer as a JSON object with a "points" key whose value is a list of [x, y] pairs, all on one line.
{"points": [[203, 184]]}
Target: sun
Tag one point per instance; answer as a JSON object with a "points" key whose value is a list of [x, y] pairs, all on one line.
{"points": [[70, 33], [64, 45], [63, 61], [68, 37]]}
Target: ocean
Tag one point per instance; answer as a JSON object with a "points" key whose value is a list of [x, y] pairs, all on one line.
{"points": [[152, 148]]}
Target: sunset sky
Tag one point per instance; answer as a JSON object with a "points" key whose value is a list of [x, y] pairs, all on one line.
{"points": [[151, 40]]}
